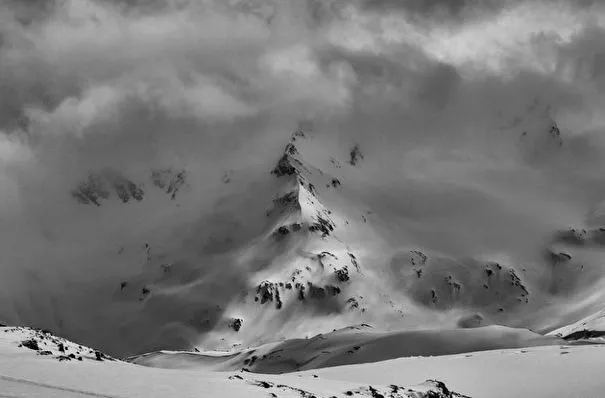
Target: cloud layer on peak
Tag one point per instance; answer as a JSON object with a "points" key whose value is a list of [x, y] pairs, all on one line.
{"points": [[437, 92]]}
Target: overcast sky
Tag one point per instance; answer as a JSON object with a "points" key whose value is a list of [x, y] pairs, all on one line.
{"points": [[86, 82]]}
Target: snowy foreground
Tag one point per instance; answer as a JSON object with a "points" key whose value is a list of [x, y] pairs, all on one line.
{"points": [[54, 367]]}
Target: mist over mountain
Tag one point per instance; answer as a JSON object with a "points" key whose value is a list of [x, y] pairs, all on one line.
{"points": [[203, 175]]}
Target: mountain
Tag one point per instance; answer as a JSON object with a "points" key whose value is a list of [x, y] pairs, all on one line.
{"points": [[266, 274], [324, 238]]}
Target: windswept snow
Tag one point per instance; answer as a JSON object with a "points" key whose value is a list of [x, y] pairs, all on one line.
{"points": [[564, 371], [25, 373], [353, 345]]}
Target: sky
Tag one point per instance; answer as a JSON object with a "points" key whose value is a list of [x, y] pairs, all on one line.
{"points": [[428, 88], [81, 77]]}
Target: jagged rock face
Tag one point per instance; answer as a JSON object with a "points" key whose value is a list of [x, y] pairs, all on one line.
{"points": [[322, 224], [318, 281], [102, 186], [169, 180], [284, 167], [92, 191]]}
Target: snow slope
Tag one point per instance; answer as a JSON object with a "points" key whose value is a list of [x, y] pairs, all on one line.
{"points": [[590, 328], [351, 345], [26, 373], [564, 371], [542, 372]]}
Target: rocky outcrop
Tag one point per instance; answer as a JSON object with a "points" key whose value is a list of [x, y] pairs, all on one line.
{"points": [[268, 292], [236, 324], [355, 155], [43, 343], [584, 335], [428, 389], [169, 180], [102, 186], [284, 167], [322, 224], [555, 134], [92, 191]]}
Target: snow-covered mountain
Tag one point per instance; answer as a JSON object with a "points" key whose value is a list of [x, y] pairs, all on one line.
{"points": [[265, 274], [311, 245]]}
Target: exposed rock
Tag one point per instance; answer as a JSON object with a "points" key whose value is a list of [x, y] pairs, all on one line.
{"points": [[322, 224], [355, 155], [572, 236], [555, 134], [316, 292], [144, 293], [299, 133], [284, 167], [342, 274], [291, 150], [283, 230], [100, 186], [354, 261], [235, 324], [126, 190], [268, 292], [31, 344], [92, 191], [418, 257], [332, 290], [46, 344], [352, 303], [169, 180], [288, 200], [429, 389], [584, 335]]}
